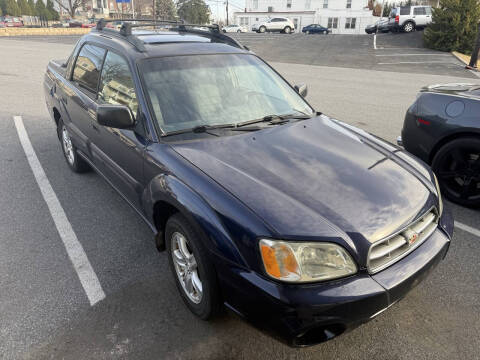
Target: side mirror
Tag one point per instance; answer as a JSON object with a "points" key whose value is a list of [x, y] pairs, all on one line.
{"points": [[115, 116], [301, 89]]}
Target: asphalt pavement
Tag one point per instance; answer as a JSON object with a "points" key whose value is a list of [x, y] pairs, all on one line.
{"points": [[44, 311]]}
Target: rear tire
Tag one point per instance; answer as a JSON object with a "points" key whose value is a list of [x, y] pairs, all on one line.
{"points": [[74, 161], [287, 30], [409, 27], [196, 280], [457, 166]]}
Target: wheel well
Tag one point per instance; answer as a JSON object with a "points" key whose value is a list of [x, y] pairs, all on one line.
{"points": [[56, 115], [449, 138], [161, 213]]}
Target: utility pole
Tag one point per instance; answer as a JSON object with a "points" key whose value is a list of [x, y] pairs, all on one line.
{"points": [[153, 9], [227, 11]]}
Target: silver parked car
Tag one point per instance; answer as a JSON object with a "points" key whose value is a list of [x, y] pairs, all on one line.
{"points": [[280, 24], [409, 18], [234, 29]]}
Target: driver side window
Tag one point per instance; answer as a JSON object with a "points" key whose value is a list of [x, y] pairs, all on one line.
{"points": [[116, 83]]}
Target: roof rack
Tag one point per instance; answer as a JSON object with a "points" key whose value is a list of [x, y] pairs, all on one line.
{"points": [[180, 26]]}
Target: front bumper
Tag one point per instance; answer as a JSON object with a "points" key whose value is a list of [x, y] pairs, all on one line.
{"points": [[307, 314]]}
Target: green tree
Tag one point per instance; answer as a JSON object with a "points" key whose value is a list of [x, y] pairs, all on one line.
{"points": [[454, 26], [3, 6], [12, 8], [165, 9], [387, 9], [24, 8], [52, 13], [40, 9], [193, 11], [31, 5], [1, 12]]}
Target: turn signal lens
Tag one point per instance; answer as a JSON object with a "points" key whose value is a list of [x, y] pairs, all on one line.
{"points": [[305, 262], [279, 260]]}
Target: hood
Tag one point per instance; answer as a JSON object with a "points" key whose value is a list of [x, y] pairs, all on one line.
{"points": [[312, 178], [459, 89]]}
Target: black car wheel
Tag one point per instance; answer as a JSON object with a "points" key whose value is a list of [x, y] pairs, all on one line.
{"points": [[457, 166], [193, 271], [74, 161], [262, 29]]}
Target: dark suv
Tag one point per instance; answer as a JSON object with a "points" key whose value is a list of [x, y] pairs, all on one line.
{"points": [[302, 224]]}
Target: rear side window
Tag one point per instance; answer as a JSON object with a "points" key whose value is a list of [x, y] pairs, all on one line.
{"points": [[419, 11], [405, 10], [87, 67], [116, 84]]}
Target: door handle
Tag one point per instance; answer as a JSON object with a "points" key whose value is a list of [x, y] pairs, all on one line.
{"points": [[95, 127]]}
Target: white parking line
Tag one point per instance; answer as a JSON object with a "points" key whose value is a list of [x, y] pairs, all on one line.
{"points": [[467, 228], [375, 42], [416, 62], [396, 55], [79, 259]]}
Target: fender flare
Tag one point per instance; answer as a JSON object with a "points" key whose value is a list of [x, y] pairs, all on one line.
{"points": [[214, 235]]}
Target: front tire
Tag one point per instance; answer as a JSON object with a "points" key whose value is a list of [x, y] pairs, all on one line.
{"points": [[457, 166], [194, 273], [74, 161], [262, 29]]}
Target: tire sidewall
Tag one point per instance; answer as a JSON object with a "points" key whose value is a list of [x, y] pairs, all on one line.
{"points": [[78, 164], [437, 161], [208, 305]]}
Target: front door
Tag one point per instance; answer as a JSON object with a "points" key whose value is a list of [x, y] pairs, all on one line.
{"points": [[79, 95], [119, 152]]}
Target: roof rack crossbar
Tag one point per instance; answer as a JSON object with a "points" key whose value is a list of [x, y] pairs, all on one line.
{"points": [[126, 30]]}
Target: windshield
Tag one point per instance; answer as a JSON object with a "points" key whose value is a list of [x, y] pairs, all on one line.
{"points": [[189, 91]]}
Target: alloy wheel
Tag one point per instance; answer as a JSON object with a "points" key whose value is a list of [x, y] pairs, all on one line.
{"points": [[408, 27], [67, 146], [186, 268]]}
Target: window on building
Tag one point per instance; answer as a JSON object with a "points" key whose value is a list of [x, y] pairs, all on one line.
{"points": [[332, 23], [257, 19], [116, 84], [255, 4], [244, 21], [325, 4], [87, 67], [350, 23], [270, 9], [308, 3], [349, 4], [289, 4]]}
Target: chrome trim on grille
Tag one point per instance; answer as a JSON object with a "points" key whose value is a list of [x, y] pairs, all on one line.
{"points": [[385, 252]]}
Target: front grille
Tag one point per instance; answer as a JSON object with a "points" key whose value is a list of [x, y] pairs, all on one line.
{"points": [[393, 248]]}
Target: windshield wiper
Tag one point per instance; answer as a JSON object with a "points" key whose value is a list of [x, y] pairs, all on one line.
{"points": [[278, 119], [200, 129]]}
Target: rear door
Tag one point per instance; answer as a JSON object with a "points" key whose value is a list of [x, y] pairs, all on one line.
{"points": [[420, 16], [119, 152]]}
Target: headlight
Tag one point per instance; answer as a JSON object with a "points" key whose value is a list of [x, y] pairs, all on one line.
{"points": [[440, 201], [305, 262]]}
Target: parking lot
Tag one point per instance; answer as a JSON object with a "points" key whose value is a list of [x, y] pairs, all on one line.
{"points": [[44, 311]]}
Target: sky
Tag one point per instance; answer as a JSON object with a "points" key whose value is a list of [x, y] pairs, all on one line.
{"points": [[218, 8]]}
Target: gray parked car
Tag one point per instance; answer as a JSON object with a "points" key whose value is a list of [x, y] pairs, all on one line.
{"points": [[409, 18]]}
